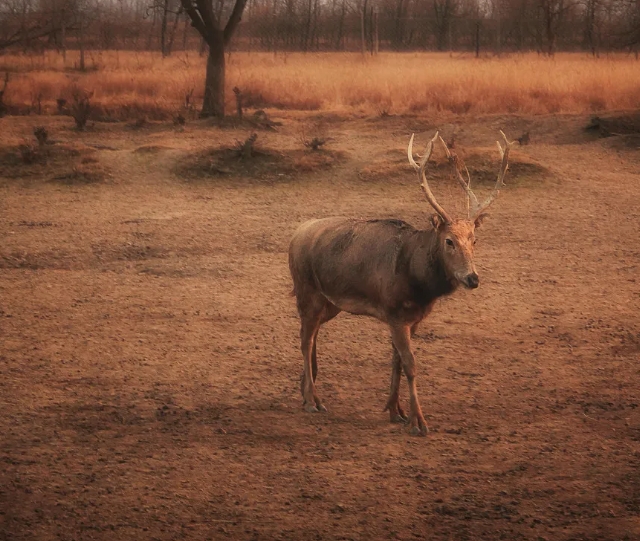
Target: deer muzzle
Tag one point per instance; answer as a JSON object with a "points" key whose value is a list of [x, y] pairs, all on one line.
{"points": [[471, 280]]}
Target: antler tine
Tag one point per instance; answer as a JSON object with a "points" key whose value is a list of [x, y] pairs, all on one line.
{"points": [[472, 200], [466, 170], [410, 154], [420, 168], [504, 154]]}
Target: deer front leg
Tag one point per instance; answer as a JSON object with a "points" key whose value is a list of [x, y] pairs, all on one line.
{"points": [[401, 336], [396, 413]]}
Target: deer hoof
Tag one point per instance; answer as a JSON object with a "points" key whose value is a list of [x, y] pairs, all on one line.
{"points": [[318, 408], [398, 418], [421, 430]]}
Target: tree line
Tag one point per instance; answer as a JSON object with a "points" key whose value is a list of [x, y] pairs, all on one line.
{"points": [[478, 26]]}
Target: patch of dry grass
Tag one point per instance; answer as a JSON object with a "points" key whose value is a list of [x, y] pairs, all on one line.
{"points": [[129, 84]]}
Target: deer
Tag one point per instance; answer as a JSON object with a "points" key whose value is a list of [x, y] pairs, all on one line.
{"points": [[389, 270]]}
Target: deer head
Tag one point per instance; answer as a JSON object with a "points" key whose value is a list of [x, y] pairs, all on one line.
{"points": [[456, 237]]}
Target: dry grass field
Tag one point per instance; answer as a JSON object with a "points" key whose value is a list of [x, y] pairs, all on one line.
{"points": [[130, 84], [149, 353]]}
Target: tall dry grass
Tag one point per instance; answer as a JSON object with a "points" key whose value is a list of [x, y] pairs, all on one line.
{"points": [[126, 84]]}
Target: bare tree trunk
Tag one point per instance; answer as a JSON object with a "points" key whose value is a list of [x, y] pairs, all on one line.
{"points": [[174, 30], [163, 28], [151, 30], [362, 28], [549, 30], [376, 41], [443, 12], [398, 35], [213, 104], [343, 10], [184, 33], [590, 29], [498, 28], [63, 38], [306, 36], [81, 42]]}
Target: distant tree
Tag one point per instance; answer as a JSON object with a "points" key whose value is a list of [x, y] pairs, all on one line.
{"points": [[553, 15], [207, 22], [591, 12], [23, 23], [444, 12]]}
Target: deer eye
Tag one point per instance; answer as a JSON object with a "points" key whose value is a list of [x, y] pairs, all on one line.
{"points": [[449, 242], [475, 241]]}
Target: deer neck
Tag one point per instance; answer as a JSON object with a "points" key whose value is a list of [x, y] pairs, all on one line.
{"points": [[427, 269]]}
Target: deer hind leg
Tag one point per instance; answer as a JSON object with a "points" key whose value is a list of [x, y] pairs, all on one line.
{"points": [[401, 336], [329, 312], [396, 413], [315, 313]]}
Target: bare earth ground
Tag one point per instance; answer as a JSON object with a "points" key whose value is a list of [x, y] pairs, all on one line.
{"points": [[149, 363]]}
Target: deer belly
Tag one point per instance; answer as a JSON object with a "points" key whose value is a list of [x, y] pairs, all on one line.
{"points": [[358, 307]]}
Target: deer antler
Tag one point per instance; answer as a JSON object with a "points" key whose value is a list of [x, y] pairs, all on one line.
{"points": [[474, 207], [420, 168], [454, 160], [504, 154]]}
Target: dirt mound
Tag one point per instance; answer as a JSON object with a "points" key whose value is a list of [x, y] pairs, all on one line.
{"points": [[609, 126], [58, 162], [482, 163], [151, 149], [264, 164]]}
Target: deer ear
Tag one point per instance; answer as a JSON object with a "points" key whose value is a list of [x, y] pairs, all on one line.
{"points": [[436, 221], [480, 218]]}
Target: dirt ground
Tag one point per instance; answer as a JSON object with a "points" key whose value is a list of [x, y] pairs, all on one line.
{"points": [[150, 363]]}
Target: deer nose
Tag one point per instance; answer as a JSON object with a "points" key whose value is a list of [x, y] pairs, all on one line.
{"points": [[472, 280]]}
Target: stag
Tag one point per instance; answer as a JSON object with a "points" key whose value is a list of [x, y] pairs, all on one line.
{"points": [[389, 270]]}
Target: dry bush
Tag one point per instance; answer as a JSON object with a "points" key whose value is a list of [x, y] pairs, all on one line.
{"points": [[81, 107], [132, 84], [30, 154], [41, 134], [313, 134]]}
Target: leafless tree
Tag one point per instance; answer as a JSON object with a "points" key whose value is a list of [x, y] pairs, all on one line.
{"points": [[207, 20]]}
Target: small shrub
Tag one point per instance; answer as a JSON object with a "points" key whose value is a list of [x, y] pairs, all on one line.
{"points": [[81, 107], [314, 135], [36, 103], [189, 105], [41, 134], [29, 153]]}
